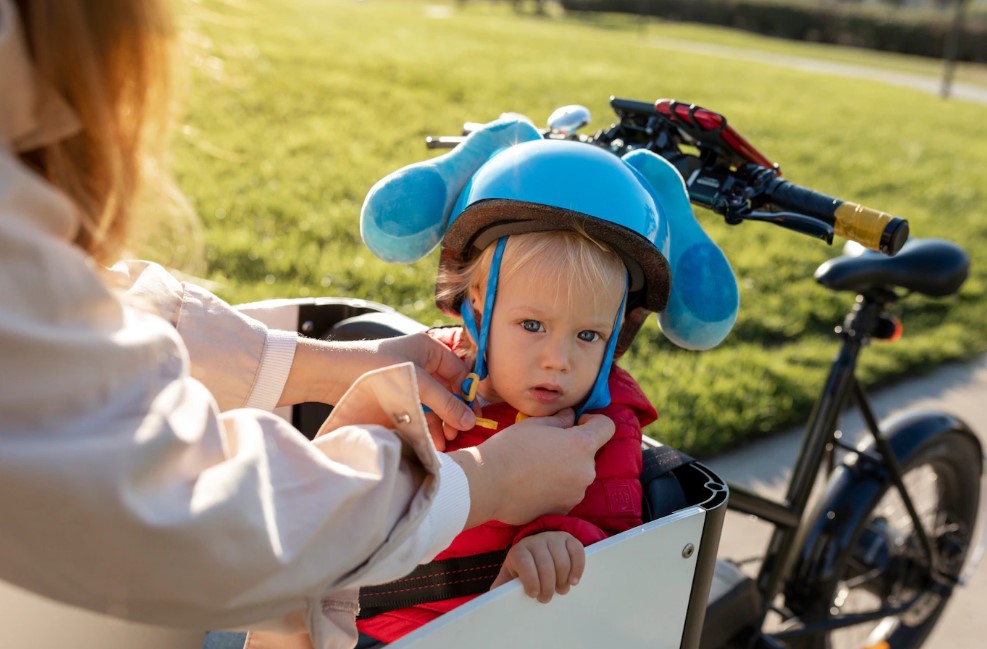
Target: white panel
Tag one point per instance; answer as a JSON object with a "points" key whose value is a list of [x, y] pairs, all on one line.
{"points": [[634, 593]]}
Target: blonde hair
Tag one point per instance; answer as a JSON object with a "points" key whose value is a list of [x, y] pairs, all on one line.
{"points": [[111, 61], [581, 266]]}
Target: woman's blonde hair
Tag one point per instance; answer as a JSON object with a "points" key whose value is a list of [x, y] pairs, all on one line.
{"points": [[579, 265], [111, 61]]}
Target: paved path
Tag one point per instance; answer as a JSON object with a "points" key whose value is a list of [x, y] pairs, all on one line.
{"points": [[765, 468], [926, 83]]}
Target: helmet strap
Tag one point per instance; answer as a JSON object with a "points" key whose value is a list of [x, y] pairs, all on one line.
{"points": [[599, 396], [479, 372]]}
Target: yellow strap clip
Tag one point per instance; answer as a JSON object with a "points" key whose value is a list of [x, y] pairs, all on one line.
{"points": [[474, 382]]}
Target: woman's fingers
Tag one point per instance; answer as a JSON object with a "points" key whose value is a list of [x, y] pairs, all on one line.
{"points": [[443, 363], [436, 430], [449, 408]]}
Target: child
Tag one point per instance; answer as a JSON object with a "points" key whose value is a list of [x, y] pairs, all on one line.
{"points": [[553, 316], [542, 270]]}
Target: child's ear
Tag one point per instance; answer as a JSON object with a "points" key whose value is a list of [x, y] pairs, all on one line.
{"points": [[475, 295]]}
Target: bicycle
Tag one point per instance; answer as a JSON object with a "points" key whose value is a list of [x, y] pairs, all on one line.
{"points": [[865, 564], [815, 557], [879, 552]]}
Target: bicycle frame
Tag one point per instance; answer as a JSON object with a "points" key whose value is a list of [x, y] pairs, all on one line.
{"points": [[818, 447]]}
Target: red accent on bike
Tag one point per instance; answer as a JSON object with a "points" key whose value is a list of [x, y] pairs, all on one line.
{"points": [[699, 122], [899, 329]]}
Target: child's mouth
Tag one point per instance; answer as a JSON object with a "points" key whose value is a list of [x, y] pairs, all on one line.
{"points": [[546, 394]]}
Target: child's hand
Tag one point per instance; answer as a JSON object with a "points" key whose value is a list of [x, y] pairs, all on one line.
{"points": [[546, 563]]}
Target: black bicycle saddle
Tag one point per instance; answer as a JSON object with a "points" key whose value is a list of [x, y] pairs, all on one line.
{"points": [[933, 267]]}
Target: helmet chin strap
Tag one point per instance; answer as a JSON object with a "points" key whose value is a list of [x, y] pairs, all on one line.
{"points": [[599, 395], [472, 381]]}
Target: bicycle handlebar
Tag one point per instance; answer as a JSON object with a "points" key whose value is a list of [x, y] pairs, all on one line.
{"points": [[729, 176], [872, 228]]}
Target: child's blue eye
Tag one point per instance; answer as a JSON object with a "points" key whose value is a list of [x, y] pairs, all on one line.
{"points": [[532, 325], [588, 336]]}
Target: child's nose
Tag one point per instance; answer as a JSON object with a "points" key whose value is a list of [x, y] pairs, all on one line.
{"points": [[556, 355]]}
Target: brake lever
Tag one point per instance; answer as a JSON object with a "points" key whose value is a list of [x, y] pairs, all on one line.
{"points": [[792, 221], [443, 141]]}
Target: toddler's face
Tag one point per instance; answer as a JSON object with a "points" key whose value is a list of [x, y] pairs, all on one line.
{"points": [[546, 342]]}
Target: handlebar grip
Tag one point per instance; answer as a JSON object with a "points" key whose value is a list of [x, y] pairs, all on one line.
{"points": [[872, 228]]}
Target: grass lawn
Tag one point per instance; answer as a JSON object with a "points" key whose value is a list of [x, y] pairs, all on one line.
{"points": [[295, 108]]}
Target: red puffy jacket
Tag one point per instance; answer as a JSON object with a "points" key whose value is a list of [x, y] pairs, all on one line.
{"points": [[612, 503]]}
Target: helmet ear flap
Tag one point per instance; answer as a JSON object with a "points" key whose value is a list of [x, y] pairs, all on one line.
{"points": [[406, 214], [704, 299], [633, 319]]}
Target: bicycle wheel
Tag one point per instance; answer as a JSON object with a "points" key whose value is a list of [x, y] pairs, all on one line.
{"points": [[885, 565]]}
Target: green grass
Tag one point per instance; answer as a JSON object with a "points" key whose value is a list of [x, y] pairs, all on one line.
{"points": [[295, 108]]}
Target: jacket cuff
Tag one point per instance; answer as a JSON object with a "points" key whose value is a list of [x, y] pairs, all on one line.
{"points": [[451, 506], [272, 374]]}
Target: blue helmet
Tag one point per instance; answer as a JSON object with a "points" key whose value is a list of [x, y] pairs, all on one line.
{"points": [[544, 185], [504, 178]]}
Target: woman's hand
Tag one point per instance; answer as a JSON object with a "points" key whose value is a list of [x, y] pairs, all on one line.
{"points": [[541, 465], [546, 563], [323, 370]]}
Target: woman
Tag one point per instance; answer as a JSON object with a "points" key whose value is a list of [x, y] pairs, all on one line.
{"points": [[141, 474]]}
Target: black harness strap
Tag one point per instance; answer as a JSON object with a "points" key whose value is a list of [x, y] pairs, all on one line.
{"points": [[433, 582], [663, 494], [659, 460]]}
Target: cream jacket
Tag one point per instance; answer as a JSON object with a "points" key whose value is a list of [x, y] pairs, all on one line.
{"points": [[140, 474]]}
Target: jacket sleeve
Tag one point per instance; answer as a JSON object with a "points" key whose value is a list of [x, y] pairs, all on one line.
{"points": [[240, 361], [124, 490], [586, 532]]}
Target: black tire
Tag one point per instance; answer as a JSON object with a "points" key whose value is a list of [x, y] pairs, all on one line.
{"points": [[886, 564]]}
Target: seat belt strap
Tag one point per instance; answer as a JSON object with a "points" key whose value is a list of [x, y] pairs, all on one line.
{"points": [[659, 460], [662, 491], [433, 582]]}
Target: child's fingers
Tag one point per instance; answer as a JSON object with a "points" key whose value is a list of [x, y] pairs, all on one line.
{"points": [[562, 563], [547, 563], [544, 561], [504, 576], [577, 559], [525, 567]]}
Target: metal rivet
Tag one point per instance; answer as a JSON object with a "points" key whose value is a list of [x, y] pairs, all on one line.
{"points": [[308, 327], [688, 550], [402, 418]]}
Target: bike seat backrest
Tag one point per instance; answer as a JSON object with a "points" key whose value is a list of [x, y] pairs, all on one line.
{"points": [[931, 267], [373, 326], [662, 489]]}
